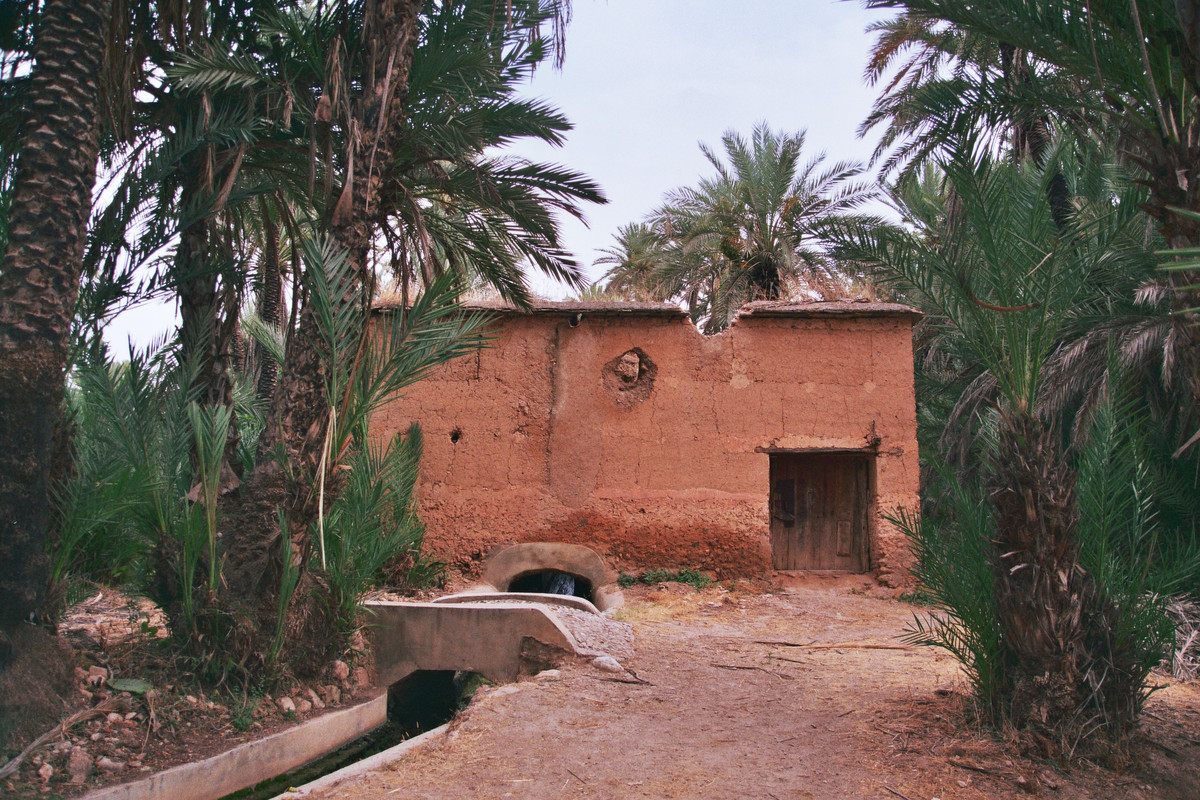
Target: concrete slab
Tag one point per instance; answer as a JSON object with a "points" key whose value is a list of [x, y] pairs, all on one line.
{"points": [[487, 639], [519, 597], [253, 762], [495, 639]]}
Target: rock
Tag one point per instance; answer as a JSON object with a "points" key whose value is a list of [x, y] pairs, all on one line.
{"points": [[302, 705], [675, 587], [45, 772], [548, 675], [607, 663], [80, 674], [97, 675], [79, 765], [191, 700], [286, 705], [333, 694], [106, 764], [358, 642], [360, 677], [112, 716], [314, 698], [97, 736], [341, 671]]}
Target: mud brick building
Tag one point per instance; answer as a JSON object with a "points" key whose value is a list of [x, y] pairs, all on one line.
{"points": [[774, 445]]}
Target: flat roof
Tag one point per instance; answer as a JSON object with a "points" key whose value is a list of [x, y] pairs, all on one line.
{"points": [[819, 308], [781, 308]]}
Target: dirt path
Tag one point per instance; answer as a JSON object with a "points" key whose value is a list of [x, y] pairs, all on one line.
{"points": [[730, 712]]}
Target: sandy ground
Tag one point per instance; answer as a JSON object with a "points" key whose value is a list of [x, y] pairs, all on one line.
{"points": [[744, 698]]}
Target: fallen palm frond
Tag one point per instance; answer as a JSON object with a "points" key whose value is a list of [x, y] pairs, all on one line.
{"points": [[1184, 613]]}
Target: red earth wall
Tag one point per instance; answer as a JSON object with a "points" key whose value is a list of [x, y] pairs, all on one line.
{"points": [[550, 434]]}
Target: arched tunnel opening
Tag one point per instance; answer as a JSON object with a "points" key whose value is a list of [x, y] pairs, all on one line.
{"points": [[552, 581], [425, 699]]}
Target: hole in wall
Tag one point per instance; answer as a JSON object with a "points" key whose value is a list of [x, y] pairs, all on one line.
{"points": [[455, 435], [552, 581], [629, 378]]}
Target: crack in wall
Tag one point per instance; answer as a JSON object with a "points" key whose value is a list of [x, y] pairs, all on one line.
{"points": [[553, 348]]}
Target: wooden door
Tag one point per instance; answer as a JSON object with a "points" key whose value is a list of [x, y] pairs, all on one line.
{"points": [[819, 507]]}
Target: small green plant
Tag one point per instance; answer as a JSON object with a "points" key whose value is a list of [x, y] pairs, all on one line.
{"points": [[692, 577], [918, 597], [467, 684], [243, 714]]}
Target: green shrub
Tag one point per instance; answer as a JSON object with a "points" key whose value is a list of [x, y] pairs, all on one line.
{"points": [[372, 522], [692, 577]]}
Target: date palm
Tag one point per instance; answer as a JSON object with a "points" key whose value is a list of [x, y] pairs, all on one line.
{"points": [[422, 176], [634, 262], [39, 281], [756, 229], [1125, 73], [1004, 282]]}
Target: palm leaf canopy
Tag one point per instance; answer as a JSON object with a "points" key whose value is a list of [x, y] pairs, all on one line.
{"points": [[755, 230]]}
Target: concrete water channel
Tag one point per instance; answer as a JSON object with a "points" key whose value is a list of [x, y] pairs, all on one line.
{"points": [[423, 652]]}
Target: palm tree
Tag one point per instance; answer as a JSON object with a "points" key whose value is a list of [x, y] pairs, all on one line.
{"points": [[1121, 322], [464, 208], [448, 207], [1108, 70], [302, 135], [39, 281], [1004, 283], [755, 230], [635, 262]]}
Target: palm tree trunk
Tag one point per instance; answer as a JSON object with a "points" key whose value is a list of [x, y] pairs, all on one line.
{"points": [[270, 303], [1039, 584], [297, 419], [39, 284], [301, 412], [207, 307], [1068, 680], [1031, 134]]}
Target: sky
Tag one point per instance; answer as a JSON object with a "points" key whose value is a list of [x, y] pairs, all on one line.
{"points": [[645, 81]]}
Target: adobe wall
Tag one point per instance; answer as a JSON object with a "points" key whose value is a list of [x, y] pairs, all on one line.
{"points": [[539, 437]]}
